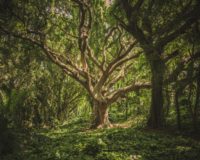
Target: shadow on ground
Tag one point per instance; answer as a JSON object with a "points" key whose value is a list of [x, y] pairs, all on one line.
{"points": [[72, 141]]}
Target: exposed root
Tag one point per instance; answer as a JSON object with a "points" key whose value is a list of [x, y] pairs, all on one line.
{"points": [[105, 126], [101, 126]]}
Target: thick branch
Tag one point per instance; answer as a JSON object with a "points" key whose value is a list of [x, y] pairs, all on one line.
{"points": [[133, 27], [184, 14], [174, 75], [84, 29], [138, 5], [93, 58], [63, 62], [162, 42], [122, 61], [120, 75], [172, 55], [122, 91], [111, 67]]}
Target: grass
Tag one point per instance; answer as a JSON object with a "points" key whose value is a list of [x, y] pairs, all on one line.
{"points": [[72, 141]]}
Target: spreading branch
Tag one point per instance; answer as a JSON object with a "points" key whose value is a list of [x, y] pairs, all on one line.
{"points": [[122, 91]]}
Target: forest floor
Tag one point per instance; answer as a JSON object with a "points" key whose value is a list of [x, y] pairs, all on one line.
{"points": [[72, 141]]}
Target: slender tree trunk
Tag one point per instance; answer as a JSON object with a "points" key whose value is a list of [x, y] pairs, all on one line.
{"points": [[190, 107], [178, 114], [100, 117], [37, 120], [156, 111], [168, 102], [197, 105]]}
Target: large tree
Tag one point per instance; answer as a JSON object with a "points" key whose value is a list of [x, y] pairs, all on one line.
{"points": [[81, 38], [154, 24]]}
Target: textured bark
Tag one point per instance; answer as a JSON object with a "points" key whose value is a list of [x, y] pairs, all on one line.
{"points": [[156, 111], [100, 118]]}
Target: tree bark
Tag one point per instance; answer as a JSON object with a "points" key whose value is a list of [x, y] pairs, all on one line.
{"points": [[156, 118], [168, 102], [100, 118], [190, 106], [178, 114], [197, 105]]}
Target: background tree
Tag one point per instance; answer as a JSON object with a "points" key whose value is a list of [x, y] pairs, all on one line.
{"points": [[154, 25]]}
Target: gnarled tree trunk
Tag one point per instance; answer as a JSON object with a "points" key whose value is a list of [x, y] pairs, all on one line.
{"points": [[100, 118]]}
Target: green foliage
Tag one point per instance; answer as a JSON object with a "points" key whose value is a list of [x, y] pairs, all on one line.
{"points": [[109, 156], [35, 94], [104, 144], [94, 146]]}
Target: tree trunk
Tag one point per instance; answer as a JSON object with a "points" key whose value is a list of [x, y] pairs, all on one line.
{"points": [[168, 102], [100, 116], [190, 107], [197, 105], [156, 118], [178, 114]]}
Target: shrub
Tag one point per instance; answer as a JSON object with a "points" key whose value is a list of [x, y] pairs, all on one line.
{"points": [[94, 147]]}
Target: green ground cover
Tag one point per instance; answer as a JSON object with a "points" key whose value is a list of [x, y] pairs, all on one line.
{"points": [[73, 141]]}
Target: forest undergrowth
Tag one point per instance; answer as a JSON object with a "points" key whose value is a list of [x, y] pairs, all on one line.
{"points": [[74, 141]]}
